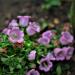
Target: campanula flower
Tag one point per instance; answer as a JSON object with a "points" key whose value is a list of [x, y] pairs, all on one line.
{"points": [[48, 34], [66, 38], [50, 56], [16, 35], [6, 31], [13, 23], [69, 52], [43, 40], [23, 20], [32, 55], [59, 54], [33, 28], [45, 64], [33, 72]]}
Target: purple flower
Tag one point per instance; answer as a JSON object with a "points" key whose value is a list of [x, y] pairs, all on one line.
{"points": [[16, 35], [13, 23], [33, 72], [47, 34], [59, 54], [50, 56], [32, 55], [69, 52], [30, 31], [6, 31], [66, 38], [45, 64], [43, 40], [33, 28], [23, 20]]}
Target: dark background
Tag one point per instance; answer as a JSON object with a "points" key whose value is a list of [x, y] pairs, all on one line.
{"points": [[11, 8]]}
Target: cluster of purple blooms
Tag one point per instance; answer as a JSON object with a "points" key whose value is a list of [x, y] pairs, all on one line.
{"points": [[45, 38], [58, 54], [14, 32]]}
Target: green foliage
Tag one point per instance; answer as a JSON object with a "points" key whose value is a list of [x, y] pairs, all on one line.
{"points": [[72, 16], [49, 3], [58, 70], [12, 62], [18, 58], [4, 40]]}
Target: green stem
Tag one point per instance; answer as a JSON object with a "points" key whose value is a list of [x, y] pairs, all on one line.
{"points": [[73, 16]]}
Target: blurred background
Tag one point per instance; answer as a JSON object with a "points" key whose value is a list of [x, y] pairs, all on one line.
{"points": [[46, 9]]}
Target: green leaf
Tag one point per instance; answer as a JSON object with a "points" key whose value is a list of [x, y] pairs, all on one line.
{"points": [[58, 70], [11, 69], [55, 2], [0, 71], [19, 66], [38, 62], [49, 3], [3, 59]]}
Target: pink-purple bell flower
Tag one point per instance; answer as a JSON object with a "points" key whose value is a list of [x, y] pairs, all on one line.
{"points": [[23, 20], [59, 54], [50, 56], [43, 40], [66, 38], [69, 52], [33, 72], [6, 31], [16, 35], [13, 23], [48, 34], [33, 28], [32, 55], [45, 64]]}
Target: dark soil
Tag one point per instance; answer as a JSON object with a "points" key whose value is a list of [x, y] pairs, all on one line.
{"points": [[11, 8]]}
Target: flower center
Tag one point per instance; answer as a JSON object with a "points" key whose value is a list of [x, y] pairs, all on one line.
{"points": [[60, 54], [15, 35], [66, 36], [45, 64], [69, 53], [33, 73]]}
